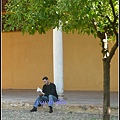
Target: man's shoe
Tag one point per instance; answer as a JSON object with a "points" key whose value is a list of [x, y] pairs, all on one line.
{"points": [[39, 105], [34, 109], [51, 110]]}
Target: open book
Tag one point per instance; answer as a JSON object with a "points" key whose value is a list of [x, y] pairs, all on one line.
{"points": [[39, 90]]}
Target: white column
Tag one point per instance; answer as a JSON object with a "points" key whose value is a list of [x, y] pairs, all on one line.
{"points": [[58, 60]]}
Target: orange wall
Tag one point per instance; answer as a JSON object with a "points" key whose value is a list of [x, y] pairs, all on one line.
{"points": [[26, 59], [83, 67]]}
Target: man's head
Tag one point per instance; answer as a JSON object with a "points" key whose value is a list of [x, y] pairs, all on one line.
{"points": [[45, 80]]}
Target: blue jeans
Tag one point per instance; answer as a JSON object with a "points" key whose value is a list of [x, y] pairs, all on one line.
{"points": [[44, 99]]}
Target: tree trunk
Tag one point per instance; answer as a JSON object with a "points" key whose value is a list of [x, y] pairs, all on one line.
{"points": [[106, 90]]}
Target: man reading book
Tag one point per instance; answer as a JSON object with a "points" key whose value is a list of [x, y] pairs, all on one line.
{"points": [[48, 94]]}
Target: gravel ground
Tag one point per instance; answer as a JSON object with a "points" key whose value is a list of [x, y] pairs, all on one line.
{"points": [[21, 113]]}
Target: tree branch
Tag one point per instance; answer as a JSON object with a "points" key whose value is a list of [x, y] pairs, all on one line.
{"points": [[113, 49], [95, 27], [113, 10], [113, 25], [109, 19]]}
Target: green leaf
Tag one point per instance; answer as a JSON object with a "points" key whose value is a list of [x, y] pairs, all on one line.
{"points": [[46, 14]]}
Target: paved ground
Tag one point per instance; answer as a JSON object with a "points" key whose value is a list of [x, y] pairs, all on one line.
{"points": [[77, 105], [71, 97]]}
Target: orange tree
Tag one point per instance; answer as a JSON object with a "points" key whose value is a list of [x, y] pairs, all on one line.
{"points": [[96, 17]]}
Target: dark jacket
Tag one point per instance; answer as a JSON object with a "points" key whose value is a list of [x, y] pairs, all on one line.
{"points": [[50, 90]]}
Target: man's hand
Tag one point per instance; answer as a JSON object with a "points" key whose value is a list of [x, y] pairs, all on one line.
{"points": [[41, 94]]}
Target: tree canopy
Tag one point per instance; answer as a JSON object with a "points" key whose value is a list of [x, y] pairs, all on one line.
{"points": [[84, 16]]}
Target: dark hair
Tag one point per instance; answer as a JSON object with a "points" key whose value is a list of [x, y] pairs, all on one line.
{"points": [[45, 78]]}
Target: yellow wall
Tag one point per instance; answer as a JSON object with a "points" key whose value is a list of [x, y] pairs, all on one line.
{"points": [[83, 67], [26, 59]]}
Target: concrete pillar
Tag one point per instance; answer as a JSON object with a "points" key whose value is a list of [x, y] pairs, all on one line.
{"points": [[58, 60]]}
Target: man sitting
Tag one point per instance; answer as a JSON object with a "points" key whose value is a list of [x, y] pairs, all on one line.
{"points": [[48, 95]]}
